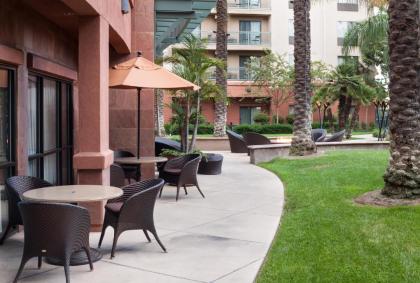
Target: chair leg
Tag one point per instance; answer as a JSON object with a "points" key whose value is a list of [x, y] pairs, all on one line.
{"points": [[153, 231], [200, 190], [87, 251], [114, 242], [39, 262], [147, 235], [104, 226], [185, 189], [6, 233], [67, 268], [22, 265], [177, 192]]}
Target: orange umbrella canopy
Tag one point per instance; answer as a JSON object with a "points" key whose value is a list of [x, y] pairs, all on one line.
{"points": [[142, 73]]}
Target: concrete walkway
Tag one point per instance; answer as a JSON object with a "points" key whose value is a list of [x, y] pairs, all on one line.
{"points": [[222, 238]]}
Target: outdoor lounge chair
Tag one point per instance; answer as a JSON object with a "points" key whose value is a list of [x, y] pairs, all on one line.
{"points": [[133, 211], [131, 172], [318, 135], [54, 230], [182, 172], [255, 139], [237, 143], [15, 187], [162, 143], [117, 176], [337, 137]]}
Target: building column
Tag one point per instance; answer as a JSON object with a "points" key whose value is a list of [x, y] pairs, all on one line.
{"points": [[93, 159]]}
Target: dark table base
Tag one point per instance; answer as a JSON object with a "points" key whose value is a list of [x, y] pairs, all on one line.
{"points": [[78, 258]]}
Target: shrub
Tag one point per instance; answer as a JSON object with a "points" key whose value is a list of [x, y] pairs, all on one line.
{"points": [[384, 134], [205, 129], [264, 129], [261, 118], [290, 119]]}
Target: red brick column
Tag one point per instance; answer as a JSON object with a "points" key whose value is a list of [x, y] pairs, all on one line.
{"points": [[94, 157]]}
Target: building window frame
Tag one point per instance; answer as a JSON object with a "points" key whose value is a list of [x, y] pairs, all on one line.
{"points": [[62, 148]]}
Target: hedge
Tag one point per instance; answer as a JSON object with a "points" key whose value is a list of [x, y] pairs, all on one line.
{"points": [[264, 129], [203, 129]]}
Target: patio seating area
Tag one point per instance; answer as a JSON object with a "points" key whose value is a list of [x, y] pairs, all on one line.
{"points": [[222, 238]]}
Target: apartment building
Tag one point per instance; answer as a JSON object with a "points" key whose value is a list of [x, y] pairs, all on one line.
{"points": [[257, 25]]}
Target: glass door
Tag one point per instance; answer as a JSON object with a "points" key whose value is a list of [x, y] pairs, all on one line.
{"points": [[6, 139], [250, 32]]}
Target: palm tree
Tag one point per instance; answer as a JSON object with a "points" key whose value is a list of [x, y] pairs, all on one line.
{"points": [[193, 64], [221, 79], [402, 178], [302, 143]]}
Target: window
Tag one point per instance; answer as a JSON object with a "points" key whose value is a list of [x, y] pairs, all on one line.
{"points": [[342, 28], [247, 114], [50, 140], [250, 32], [343, 59], [291, 32], [348, 5], [7, 79], [249, 4], [243, 70], [291, 59]]}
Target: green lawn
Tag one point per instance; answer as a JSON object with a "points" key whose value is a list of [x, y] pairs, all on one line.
{"points": [[325, 237]]}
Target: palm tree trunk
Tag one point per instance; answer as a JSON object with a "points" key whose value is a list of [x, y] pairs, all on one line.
{"points": [[342, 112], [402, 176], [159, 114], [353, 121], [221, 79], [302, 143], [196, 123]]}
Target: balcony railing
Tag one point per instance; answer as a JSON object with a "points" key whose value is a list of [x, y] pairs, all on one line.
{"points": [[233, 74], [249, 4], [348, 5], [240, 38]]}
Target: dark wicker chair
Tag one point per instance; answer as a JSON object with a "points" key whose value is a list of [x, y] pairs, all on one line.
{"points": [[237, 143], [117, 176], [182, 172], [337, 137], [54, 230], [131, 172], [133, 211], [318, 135], [256, 139], [15, 187]]}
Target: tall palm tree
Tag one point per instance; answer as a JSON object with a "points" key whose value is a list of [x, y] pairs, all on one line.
{"points": [[302, 143], [221, 79], [402, 178]]}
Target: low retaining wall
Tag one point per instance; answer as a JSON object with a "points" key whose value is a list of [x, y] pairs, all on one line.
{"points": [[216, 144], [265, 153]]}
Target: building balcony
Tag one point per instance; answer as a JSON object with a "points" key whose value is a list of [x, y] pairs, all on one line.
{"points": [[248, 7], [242, 40], [233, 74]]}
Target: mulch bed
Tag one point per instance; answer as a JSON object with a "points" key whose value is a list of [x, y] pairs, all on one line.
{"points": [[375, 198]]}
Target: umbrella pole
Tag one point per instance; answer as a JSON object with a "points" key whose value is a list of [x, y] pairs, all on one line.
{"points": [[138, 122]]}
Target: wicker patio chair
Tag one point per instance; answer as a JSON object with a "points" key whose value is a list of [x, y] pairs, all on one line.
{"points": [[256, 139], [237, 143], [133, 211], [131, 172], [182, 172], [15, 187], [117, 176], [318, 135], [54, 230], [337, 137]]}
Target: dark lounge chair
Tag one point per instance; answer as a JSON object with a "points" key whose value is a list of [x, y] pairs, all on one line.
{"points": [[337, 137], [237, 143], [15, 187], [117, 176], [133, 211], [182, 172], [163, 143], [54, 230], [256, 139], [318, 135], [131, 172]]}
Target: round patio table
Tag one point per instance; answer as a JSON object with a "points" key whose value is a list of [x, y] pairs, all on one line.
{"points": [[140, 160], [74, 194]]}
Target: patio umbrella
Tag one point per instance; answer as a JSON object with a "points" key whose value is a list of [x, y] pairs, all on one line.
{"points": [[139, 73]]}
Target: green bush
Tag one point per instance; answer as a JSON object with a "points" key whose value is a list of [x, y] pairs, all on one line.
{"points": [[264, 129], [261, 118], [282, 120], [290, 119], [375, 133], [203, 129]]}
